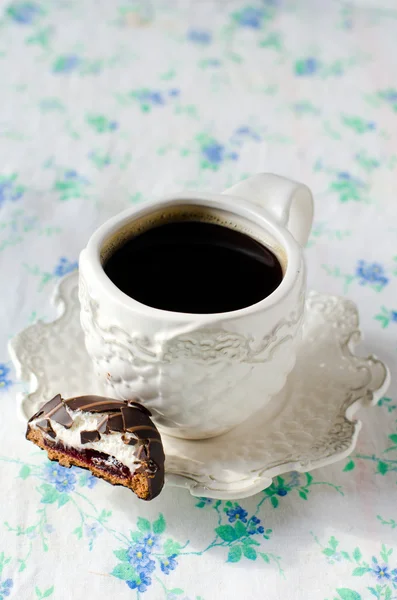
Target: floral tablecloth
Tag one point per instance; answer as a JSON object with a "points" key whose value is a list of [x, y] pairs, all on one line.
{"points": [[107, 104]]}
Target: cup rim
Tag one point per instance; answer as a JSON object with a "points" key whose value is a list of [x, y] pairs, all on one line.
{"points": [[237, 206]]}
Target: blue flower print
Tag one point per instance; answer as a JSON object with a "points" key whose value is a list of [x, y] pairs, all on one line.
{"points": [[156, 98], [371, 273], [63, 478], [71, 185], [306, 66], [92, 530], [389, 95], [64, 267], [345, 176], [168, 564], [91, 481], [101, 124], [152, 98], [151, 542], [202, 502], [348, 187], [294, 479], [214, 152], [8, 189], [254, 527], [66, 64], [5, 382], [250, 17], [237, 514], [393, 316], [24, 13], [199, 36], [72, 175], [5, 588], [85, 478], [381, 572], [141, 583], [139, 557], [246, 132]]}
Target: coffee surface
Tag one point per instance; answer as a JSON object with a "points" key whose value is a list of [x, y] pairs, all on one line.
{"points": [[194, 267]]}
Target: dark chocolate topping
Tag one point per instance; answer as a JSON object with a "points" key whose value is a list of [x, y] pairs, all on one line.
{"points": [[125, 416], [94, 404], [140, 406], [129, 439], [49, 406], [115, 422], [89, 436], [45, 426], [103, 424], [55, 409]]}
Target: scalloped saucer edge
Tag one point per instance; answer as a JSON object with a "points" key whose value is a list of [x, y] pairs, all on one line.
{"points": [[309, 424]]}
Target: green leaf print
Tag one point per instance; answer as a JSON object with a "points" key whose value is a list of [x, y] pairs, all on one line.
{"points": [[50, 494], [121, 555], [265, 557], [385, 553], [135, 536], [171, 547], [350, 466], [358, 124], [391, 522], [46, 594], [347, 594], [359, 571], [24, 472], [382, 467], [249, 552], [235, 554], [357, 554], [250, 542], [240, 529], [226, 533], [159, 525], [63, 499], [333, 542], [388, 594], [143, 525], [274, 501], [124, 571]]}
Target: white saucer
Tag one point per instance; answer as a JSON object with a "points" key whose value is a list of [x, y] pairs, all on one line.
{"points": [[307, 425]]}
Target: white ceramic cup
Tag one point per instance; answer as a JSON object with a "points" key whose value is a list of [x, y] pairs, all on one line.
{"points": [[201, 374]]}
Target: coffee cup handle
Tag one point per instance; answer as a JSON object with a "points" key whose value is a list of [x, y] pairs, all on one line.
{"points": [[289, 202]]}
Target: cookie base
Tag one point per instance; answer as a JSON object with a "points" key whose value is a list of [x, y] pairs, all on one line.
{"points": [[137, 482]]}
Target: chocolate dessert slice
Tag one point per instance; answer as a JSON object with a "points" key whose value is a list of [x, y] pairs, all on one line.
{"points": [[115, 439]]}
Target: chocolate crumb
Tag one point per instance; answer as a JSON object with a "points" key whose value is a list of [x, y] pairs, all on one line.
{"points": [[89, 436], [46, 426]]}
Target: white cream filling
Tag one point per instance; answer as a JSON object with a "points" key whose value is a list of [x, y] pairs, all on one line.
{"points": [[110, 443]]}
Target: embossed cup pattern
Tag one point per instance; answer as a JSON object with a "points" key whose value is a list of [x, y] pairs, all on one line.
{"points": [[198, 384], [201, 375]]}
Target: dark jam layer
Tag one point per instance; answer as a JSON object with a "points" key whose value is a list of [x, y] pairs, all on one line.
{"points": [[93, 458]]}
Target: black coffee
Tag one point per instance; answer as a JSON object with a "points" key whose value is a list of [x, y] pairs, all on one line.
{"points": [[194, 267]]}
